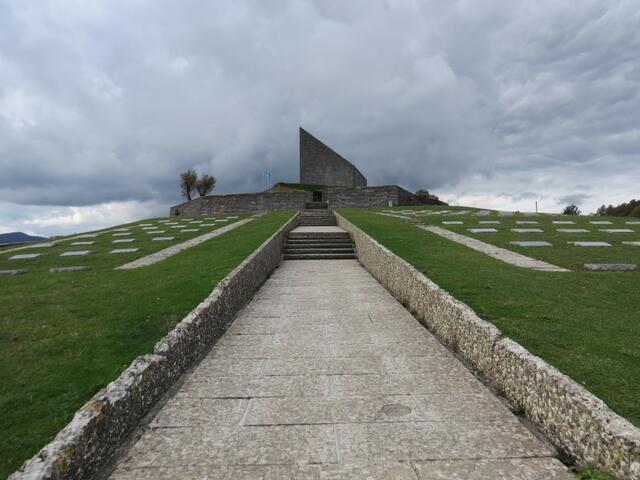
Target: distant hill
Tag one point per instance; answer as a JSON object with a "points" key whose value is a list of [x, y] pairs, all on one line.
{"points": [[18, 237]]}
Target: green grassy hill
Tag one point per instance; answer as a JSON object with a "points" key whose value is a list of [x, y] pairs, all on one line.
{"points": [[63, 336]]}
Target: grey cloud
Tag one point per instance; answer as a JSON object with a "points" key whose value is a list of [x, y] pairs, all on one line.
{"points": [[108, 101]]}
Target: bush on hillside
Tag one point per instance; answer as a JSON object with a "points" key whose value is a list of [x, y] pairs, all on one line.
{"points": [[426, 198], [571, 210], [630, 209]]}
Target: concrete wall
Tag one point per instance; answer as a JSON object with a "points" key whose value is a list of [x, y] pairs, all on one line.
{"points": [[320, 165], [244, 202], [83, 447], [364, 197], [577, 422]]}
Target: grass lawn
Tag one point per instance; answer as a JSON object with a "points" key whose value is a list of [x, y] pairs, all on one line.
{"points": [[587, 324], [64, 336]]}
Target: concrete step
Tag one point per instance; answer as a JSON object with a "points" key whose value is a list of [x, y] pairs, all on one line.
{"points": [[298, 251], [318, 244], [317, 205], [320, 256], [318, 234]]}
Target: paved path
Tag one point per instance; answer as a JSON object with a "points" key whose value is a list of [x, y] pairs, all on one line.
{"points": [[325, 376], [174, 249], [502, 254]]}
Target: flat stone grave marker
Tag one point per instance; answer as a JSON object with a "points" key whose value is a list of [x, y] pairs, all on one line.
{"points": [[155, 232], [237, 217], [213, 218], [149, 228], [617, 230], [163, 221], [187, 219], [482, 230], [123, 234], [41, 245], [600, 222], [172, 223], [196, 221], [188, 230], [489, 222], [505, 214], [526, 222], [572, 230], [124, 250], [635, 244], [451, 222], [532, 244], [12, 273], [25, 256], [76, 253], [120, 229], [482, 213], [222, 220], [87, 235], [461, 212], [162, 239], [610, 267], [145, 225], [178, 226], [527, 230], [207, 224], [633, 222], [69, 269], [563, 222], [82, 243], [591, 244], [124, 240]]}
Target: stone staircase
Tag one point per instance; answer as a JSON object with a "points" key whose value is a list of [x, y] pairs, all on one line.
{"points": [[318, 245]]}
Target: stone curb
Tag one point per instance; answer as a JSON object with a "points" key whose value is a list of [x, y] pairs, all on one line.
{"points": [[577, 422], [100, 426]]}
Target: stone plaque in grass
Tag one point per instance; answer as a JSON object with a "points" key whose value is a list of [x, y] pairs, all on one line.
{"points": [[163, 239], [124, 240], [482, 230], [207, 224], [12, 273], [526, 222], [222, 220], [633, 222], [82, 243], [121, 229], [572, 230], [610, 267], [123, 234], [635, 244], [25, 256], [69, 269], [87, 235], [76, 253], [178, 226], [145, 225], [532, 244], [452, 223], [163, 221], [617, 230], [124, 250], [149, 228], [188, 230], [563, 222], [482, 213], [600, 222], [590, 244], [196, 221], [527, 230], [489, 222], [155, 232]]}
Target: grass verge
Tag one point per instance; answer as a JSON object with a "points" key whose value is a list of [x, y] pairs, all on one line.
{"points": [[65, 336], [586, 324]]}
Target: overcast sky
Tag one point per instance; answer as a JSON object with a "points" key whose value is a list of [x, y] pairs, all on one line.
{"points": [[492, 103]]}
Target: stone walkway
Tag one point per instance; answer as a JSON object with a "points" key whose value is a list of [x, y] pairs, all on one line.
{"points": [[325, 376], [498, 253], [174, 249]]}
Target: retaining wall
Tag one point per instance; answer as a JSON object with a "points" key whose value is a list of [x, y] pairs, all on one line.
{"points": [[244, 202], [103, 423], [577, 422], [365, 197]]}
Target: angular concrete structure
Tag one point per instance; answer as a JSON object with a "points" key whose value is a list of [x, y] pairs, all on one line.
{"points": [[320, 165]]}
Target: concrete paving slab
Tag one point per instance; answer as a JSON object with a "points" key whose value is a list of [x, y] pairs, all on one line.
{"points": [[526, 222], [124, 250], [482, 230], [532, 244], [26, 256], [572, 230], [563, 222], [591, 244], [162, 239], [342, 384], [617, 230], [600, 222], [124, 240], [527, 230], [451, 222], [494, 469], [76, 253]]}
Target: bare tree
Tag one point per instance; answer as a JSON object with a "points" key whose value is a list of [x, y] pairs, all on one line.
{"points": [[205, 184], [188, 181]]}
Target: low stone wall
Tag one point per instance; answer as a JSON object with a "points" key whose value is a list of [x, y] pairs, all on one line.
{"points": [[103, 423], [244, 202], [577, 422], [365, 197]]}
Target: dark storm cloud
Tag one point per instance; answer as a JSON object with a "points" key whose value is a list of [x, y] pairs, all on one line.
{"points": [[104, 102]]}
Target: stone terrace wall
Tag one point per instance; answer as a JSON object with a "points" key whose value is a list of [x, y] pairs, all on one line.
{"points": [[244, 202], [364, 197], [576, 421]]}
